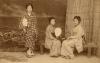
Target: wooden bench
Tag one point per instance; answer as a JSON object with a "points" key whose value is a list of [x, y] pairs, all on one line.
{"points": [[91, 47]]}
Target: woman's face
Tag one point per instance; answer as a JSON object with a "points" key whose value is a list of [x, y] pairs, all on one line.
{"points": [[53, 21], [76, 22], [29, 8]]}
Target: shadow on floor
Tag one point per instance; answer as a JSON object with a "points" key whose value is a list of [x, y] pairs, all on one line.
{"points": [[13, 58]]}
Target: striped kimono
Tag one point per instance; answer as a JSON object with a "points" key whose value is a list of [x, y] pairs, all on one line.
{"points": [[30, 30]]}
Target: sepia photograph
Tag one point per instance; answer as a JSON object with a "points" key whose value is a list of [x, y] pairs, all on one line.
{"points": [[49, 31]]}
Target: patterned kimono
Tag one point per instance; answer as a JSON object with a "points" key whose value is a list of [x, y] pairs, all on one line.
{"points": [[30, 30], [74, 41], [51, 42]]}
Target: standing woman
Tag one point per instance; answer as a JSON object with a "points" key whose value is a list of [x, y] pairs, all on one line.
{"points": [[73, 41], [29, 26], [51, 42]]}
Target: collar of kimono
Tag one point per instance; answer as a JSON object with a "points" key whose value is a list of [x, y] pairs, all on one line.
{"points": [[52, 25], [78, 25], [31, 14]]}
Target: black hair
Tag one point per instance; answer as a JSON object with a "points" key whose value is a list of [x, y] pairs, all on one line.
{"points": [[78, 18], [29, 5], [50, 18]]}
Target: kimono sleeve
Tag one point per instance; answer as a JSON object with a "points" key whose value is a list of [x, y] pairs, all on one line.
{"points": [[20, 23], [79, 32], [51, 30]]}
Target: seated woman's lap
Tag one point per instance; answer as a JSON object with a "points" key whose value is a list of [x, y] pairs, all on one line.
{"points": [[70, 43], [57, 42]]}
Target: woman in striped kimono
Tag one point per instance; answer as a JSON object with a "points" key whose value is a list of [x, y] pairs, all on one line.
{"points": [[29, 26], [51, 42], [74, 41]]}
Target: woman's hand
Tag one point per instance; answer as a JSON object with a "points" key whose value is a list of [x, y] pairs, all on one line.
{"points": [[54, 38], [63, 38], [71, 37], [68, 38], [24, 30]]}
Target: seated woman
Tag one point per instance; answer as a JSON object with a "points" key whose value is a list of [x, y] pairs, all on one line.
{"points": [[51, 42], [74, 41]]}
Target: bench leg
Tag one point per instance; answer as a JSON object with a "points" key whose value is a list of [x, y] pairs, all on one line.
{"points": [[95, 51], [41, 49], [89, 52]]}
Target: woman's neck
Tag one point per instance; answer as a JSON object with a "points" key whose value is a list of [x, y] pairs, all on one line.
{"points": [[77, 25], [52, 25], [29, 13]]}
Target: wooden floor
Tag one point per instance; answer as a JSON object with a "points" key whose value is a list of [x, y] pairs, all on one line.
{"points": [[19, 57]]}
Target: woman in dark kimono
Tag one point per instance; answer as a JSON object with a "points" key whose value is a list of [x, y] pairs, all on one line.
{"points": [[29, 26]]}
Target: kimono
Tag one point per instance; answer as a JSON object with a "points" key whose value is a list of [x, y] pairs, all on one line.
{"points": [[51, 43], [74, 41], [30, 31]]}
